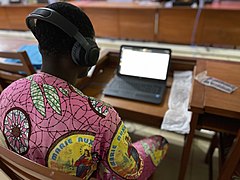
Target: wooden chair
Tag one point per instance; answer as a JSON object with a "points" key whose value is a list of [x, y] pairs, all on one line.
{"points": [[232, 160], [10, 72], [17, 167], [228, 163]]}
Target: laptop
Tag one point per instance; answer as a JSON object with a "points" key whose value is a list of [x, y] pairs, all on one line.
{"points": [[141, 75]]}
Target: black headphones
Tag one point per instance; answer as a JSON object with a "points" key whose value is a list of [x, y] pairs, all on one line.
{"points": [[90, 48]]}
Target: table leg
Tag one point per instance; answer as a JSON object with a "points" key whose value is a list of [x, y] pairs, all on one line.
{"points": [[187, 147]]}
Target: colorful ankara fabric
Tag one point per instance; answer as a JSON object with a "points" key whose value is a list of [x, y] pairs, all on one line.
{"points": [[53, 123]]}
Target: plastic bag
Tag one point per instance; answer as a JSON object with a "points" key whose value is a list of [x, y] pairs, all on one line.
{"points": [[177, 118]]}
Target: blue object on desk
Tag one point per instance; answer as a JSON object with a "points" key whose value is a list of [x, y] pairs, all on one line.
{"points": [[33, 54]]}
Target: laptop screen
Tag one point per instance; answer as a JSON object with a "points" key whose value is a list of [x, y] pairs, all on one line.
{"points": [[144, 62]]}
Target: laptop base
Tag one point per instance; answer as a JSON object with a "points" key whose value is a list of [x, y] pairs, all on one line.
{"points": [[135, 92]]}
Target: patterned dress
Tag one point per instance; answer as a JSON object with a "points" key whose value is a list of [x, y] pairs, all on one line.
{"points": [[51, 122]]}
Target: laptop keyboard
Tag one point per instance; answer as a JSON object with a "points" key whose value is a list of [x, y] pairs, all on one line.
{"points": [[140, 86]]}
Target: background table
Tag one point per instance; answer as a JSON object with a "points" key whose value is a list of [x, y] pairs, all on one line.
{"points": [[213, 109]]}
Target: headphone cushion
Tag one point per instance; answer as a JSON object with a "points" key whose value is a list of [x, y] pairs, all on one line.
{"points": [[76, 50], [92, 54], [85, 58]]}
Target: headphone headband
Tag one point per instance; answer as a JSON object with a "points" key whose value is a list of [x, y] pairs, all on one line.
{"points": [[53, 17], [91, 50]]}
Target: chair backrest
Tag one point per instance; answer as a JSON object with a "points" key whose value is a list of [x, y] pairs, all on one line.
{"points": [[10, 72], [18, 167]]}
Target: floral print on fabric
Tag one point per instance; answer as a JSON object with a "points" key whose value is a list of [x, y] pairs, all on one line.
{"points": [[123, 158], [72, 154], [37, 98], [156, 148], [51, 96], [51, 122], [17, 130]]}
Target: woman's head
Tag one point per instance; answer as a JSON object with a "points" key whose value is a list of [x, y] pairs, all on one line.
{"points": [[53, 41]]}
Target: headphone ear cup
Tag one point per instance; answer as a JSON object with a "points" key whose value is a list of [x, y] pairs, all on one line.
{"points": [[77, 50], [92, 54], [84, 57]]}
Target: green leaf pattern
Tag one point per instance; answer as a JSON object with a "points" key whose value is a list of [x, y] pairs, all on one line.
{"points": [[54, 100], [37, 98], [78, 91], [64, 91], [100, 106], [52, 97], [30, 78]]}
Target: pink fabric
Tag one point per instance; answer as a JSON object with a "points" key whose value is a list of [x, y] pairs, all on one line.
{"points": [[51, 122]]}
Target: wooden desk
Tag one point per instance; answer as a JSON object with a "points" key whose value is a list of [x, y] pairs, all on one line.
{"points": [[218, 25], [145, 113], [13, 16], [11, 44], [122, 20], [213, 109]]}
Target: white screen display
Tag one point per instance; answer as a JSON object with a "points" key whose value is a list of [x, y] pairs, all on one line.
{"points": [[144, 63]]}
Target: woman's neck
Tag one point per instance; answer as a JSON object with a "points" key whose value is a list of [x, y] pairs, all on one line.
{"points": [[60, 68]]}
